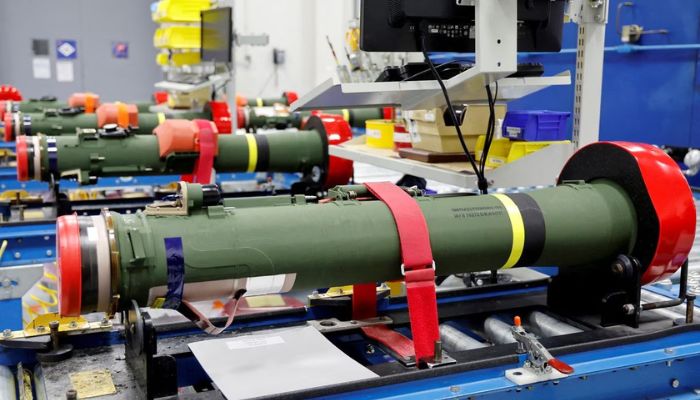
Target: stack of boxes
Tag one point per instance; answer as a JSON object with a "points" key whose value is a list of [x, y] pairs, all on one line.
{"points": [[178, 35], [431, 130], [523, 132]]}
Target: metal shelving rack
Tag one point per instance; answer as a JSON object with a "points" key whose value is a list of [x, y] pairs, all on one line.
{"points": [[496, 59]]}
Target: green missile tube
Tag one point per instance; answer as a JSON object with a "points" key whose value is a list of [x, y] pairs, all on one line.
{"points": [[643, 209], [172, 149], [287, 98], [253, 118], [61, 122], [50, 102]]}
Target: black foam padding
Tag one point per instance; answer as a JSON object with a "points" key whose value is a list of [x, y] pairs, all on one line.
{"points": [[89, 267], [314, 123], [608, 161]]}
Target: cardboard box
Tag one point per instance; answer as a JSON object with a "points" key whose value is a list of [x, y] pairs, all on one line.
{"points": [[445, 144], [430, 132]]}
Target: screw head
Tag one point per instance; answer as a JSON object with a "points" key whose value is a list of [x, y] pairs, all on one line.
{"points": [[40, 328], [73, 324], [49, 253], [617, 268], [628, 309], [7, 332], [369, 349], [18, 255], [675, 383], [454, 389], [668, 350], [6, 283]]}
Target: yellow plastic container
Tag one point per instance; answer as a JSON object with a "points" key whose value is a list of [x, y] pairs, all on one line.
{"points": [[380, 133], [178, 59], [504, 151], [177, 37], [179, 10]]}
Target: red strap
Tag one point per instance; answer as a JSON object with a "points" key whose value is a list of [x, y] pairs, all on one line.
{"points": [[201, 320], [364, 300], [416, 252], [396, 342], [207, 151], [417, 262]]}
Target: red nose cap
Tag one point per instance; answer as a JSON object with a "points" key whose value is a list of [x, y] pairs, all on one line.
{"points": [[240, 116], [291, 97], [22, 159], [660, 194], [9, 131], [338, 131], [69, 265]]}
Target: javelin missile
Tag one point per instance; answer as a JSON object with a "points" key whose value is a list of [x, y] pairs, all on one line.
{"points": [[275, 117], [286, 99], [66, 121], [173, 148], [611, 199], [86, 101]]}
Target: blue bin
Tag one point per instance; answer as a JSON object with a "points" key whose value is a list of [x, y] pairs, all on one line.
{"points": [[535, 126]]}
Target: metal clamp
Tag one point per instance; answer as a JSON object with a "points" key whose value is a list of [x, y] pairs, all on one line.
{"points": [[540, 365]]}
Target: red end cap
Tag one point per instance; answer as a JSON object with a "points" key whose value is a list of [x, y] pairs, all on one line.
{"points": [[340, 170], [240, 117], [9, 130], [662, 198], [9, 92], [561, 366], [3, 108], [674, 205], [160, 97], [388, 113], [221, 116], [291, 97], [22, 159], [69, 265]]}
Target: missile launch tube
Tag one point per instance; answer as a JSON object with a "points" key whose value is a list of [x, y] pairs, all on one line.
{"points": [[51, 123], [252, 118], [62, 122], [286, 99], [582, 221], [84, 156]]}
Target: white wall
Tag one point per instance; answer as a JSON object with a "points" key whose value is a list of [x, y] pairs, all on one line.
{"points": [[297, 26]]}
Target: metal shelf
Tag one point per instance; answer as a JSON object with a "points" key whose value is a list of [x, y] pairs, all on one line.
{"points": [[467, 87], [536, 169]]}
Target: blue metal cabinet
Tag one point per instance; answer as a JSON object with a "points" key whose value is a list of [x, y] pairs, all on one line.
{"points": [[650, 95]]}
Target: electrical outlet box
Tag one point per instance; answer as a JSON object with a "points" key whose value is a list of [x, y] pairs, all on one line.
{"points": [[278, 56]]}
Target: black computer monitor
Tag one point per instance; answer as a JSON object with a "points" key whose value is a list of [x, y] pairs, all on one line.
{"points": [[217, 35], [393, 25]]}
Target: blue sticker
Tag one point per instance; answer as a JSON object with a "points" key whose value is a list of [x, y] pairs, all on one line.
{"points": [[66, 49], [120, 49], [175, 261]]}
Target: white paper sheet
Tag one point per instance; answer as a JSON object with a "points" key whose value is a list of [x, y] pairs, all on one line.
{"points": [[41, 68], [64, 71], [275, 361]]}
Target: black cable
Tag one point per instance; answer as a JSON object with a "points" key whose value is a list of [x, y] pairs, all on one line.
{"points": [[428, 70], [491, 128], [482, 183]]}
